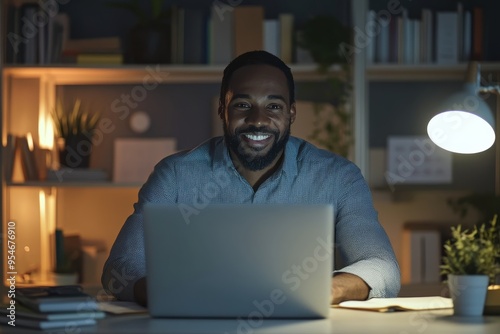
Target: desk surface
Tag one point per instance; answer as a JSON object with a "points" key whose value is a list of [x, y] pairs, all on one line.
{"points": [[340, 321]]}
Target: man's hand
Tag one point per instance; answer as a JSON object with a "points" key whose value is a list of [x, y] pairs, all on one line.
{"points": [[348, 287], [140, 294]]}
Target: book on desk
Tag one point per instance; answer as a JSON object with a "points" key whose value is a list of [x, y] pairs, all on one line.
{"points": [[399, 304], [51, 307]]}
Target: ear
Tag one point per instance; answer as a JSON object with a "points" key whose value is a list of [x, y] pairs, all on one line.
{"points": [[293, 113]]}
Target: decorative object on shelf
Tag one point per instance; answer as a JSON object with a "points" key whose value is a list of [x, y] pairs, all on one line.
{"points": [[470, 263], [149, 40], [74, 130], [140, 121], [492, 303], [332, 126], [66, 258]]}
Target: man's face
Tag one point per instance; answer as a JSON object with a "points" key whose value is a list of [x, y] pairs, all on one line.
{"points": [[258, 115]]}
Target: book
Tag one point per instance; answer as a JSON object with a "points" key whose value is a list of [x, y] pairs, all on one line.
{"points": [[271, 32], [220, 39], [194, 36], [99, 58], [399, 304], [477, 33], [29, 33], [248, 23], [51, 299], [28, 314], [48, 324], [94, 45], [8, 155], [25, 146], [286, 21], [447, 38]]}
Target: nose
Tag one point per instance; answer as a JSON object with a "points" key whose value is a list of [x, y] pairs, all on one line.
{"points": [[257, 116]]}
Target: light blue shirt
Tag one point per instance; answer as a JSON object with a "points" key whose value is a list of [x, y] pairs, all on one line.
{"points": [[308, 175]]}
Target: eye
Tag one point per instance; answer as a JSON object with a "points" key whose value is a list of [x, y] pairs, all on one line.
{"points": [[275, 107], [240, 105]]}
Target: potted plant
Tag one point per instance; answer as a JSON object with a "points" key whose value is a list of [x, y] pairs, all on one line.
{"points": [[74, 130], [322, 36], [149, 40], [470, 263], [65, 271]]}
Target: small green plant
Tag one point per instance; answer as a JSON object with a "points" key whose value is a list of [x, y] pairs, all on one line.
{"points": [[322, 36], [74, 124], [473, 251]]}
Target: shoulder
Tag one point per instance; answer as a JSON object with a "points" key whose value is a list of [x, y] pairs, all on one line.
{"points": [[309, 153], [203, 152]]}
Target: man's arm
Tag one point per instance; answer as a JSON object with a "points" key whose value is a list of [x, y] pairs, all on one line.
{"points": [[347, 286]]}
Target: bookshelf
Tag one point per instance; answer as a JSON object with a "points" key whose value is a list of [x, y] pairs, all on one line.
{"points": [[97, 210], [399, 98]]}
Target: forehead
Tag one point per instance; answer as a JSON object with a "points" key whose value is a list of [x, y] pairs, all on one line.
{"points": [[263, 77]]}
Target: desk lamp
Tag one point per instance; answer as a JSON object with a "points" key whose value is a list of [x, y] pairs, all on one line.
{"points": [[466, 124]]}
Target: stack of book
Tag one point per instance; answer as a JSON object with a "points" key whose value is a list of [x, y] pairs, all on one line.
{"points": [[51, 307]]}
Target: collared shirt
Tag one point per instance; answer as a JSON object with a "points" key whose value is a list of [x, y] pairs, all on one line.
{"points": [[308, 175]]}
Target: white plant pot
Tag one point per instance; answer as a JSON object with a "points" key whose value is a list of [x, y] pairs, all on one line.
{"points": [[468, 293]]}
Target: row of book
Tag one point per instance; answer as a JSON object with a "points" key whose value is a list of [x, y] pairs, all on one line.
{"points": [[36, 163], [51, 307], [442, 37], [37, 34], [197, 36]]}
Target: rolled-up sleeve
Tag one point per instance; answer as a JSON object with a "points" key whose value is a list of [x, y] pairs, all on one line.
{"points": [[361, 241]]}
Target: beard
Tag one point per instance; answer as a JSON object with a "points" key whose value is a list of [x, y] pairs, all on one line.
{"points": [[252, 160]]}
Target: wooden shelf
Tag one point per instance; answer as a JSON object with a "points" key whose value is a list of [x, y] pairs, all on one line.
{"points": [[142, 74], [423, 72], [74, 184]]}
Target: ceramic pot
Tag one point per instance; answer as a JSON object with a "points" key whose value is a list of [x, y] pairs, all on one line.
{"points": [[468, 293], [74, 152], [149, 44]]}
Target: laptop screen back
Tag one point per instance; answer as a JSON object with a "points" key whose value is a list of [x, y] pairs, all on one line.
{"points": [[232, 260]]}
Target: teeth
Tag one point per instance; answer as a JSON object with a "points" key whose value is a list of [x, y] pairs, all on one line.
{"points": [[257, 137]]}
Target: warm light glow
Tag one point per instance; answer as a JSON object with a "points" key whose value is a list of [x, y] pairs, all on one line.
{"points": [[45, 130], [27, 249], [461, 132], [47, 228], [29, 138]]}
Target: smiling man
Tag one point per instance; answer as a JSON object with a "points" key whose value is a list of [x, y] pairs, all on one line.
{"points": [[258, 161]]}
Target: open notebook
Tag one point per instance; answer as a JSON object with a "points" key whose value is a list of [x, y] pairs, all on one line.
{"points": [[399, 304]]}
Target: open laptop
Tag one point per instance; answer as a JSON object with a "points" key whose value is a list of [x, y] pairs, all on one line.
{"points": [[239, 261]]}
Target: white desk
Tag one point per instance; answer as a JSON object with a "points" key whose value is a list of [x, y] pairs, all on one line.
{"points": [[340, 321]]}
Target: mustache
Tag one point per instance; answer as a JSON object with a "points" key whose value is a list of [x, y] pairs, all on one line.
{"points": [[253, 128]]}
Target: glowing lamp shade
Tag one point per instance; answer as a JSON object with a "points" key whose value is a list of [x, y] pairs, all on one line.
{"points": [[466, 124]]}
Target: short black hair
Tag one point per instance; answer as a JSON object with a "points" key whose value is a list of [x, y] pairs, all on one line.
{"points": [[258, 57]]}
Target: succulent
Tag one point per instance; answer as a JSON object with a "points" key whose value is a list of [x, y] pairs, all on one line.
{"points": [[74, 123]]}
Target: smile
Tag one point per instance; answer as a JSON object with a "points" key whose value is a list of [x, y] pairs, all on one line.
{"points": [[257, 137]]}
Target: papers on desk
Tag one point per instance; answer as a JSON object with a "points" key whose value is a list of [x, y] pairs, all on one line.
{"points": [[121, 307], [399, 304]]}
